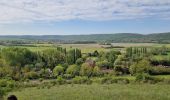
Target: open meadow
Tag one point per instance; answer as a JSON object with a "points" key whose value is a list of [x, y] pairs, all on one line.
{"points": [[96, 92]]}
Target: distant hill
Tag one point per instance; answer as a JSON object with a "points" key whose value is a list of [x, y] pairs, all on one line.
{"points": [[117, 38]]}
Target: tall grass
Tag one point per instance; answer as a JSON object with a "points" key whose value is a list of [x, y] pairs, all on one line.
{"points": [[97, 92]]}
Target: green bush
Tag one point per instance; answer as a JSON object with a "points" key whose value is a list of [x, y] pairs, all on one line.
{"points": [[6, 86], [104, 64], [7, 83], [86, 70], [58, 70], [40, 79], [107, 80], [142, 66], [122, 81], [159, 71], [146, 78], [81, 80], [79, 61], [110, 80], [60, 80], [67, 76], [73, 70], [96, 71], [31, 75], [2, 93]]}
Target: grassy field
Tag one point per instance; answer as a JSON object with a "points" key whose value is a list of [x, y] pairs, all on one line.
{"points": [[84, 47], [88, 47], [97, 92]]}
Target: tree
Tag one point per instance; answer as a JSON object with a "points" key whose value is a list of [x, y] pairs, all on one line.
{"points": [[129, 52], [18, 56], [112, 56], [52, 57], [73, 70], [71, 56], [86, 70], [79, 61], [58, 70], [77, 54], [104, 64], [142, 66], [96, 53]]}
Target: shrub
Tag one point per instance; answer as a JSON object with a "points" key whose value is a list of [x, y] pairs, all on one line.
{"points": [[79, 61], [96, 71], [58, 70], [107, 80], [60, 80], [122, 80], [45, 73], [146, 78], [110, 80], [67, 76], [159, 71], [73, 70], [81, 80], [86, 70], [40, 79], [142, 66], [31, 75], [104, 64], [65, 66], [2, 93], [6, 86]]}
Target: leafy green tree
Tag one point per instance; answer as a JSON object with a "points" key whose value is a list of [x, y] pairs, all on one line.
{"points": [[71, 56], [104, 64], [73, 70], [142, 66], [58, 70], [96, 53], [52, 57], [86, 70], [18, 56], [77, 54], [79, 61]]}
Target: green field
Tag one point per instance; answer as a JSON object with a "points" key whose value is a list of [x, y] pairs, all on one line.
{"points": [[97, 92], [88, 47]]}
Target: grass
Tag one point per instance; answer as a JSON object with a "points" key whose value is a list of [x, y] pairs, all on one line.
{"points": [[163, 76], [97, 92], [86, 48]]}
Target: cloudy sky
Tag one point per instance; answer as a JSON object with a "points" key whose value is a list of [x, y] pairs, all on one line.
{"points": [[40, 17]]}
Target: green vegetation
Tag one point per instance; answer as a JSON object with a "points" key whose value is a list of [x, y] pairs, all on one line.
{"points": [[45, 67], [97, 92], [86, 39]]}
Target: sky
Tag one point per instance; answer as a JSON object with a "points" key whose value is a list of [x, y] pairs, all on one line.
{"points": [[65, 17]]}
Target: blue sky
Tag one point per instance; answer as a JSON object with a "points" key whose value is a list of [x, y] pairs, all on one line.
{"points": [[62, 17]]}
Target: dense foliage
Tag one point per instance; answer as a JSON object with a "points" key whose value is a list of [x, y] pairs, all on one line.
{"points": [[71, 66]]}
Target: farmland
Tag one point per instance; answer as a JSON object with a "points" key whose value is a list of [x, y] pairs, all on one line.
{"points": [[88, 47]]}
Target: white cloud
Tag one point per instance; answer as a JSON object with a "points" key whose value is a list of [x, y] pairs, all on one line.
{"points": [[58, 10]]}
